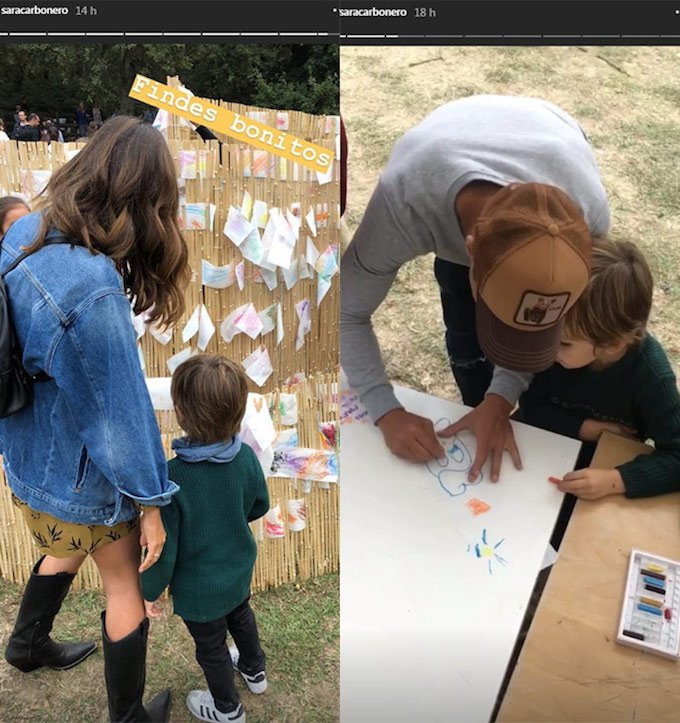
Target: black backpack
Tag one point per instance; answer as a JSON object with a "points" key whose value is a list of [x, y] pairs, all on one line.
{"points": [[16, 384]]}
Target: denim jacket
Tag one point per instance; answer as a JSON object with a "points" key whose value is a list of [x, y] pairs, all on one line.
{"points": [[88, 446]]}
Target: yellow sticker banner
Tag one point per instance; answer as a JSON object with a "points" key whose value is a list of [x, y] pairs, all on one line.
{"points": [[202, 112]]}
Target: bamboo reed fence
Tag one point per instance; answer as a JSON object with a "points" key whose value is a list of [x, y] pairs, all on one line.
{"points": [[227, 169]]}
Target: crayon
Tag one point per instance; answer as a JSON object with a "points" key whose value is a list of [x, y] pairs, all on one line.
{"points": [[656, 589], [649, 601], [652, 573], [667, 613], [656, 568], [649, 609], [633, 634], [653, 581], [554, 480]]}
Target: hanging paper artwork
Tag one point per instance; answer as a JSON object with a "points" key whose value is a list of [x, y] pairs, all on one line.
{"points": [[280, 237], [286, 438], [217, 277], [258, 115], [351, 409], [247, 205], [282, 121], [312, 253], [244, 319], [206, 329], [290, 275], [263, 164], [327, 177], [301, 463], [279, 324], [257, 430], [260, 214], [262, 275], [304, 313], [161, 334], [174, 361], [253, 249], [322, 287], [294, 379], [237, 228], [258, 366], [321, 215], [240, 273], [273, 523], [191, 327], [311, 221], [268, 319], [327, 265], [297, 515], [288, 409], [304, 269], [328, 433], [199, 216], [203, 164], [139, 322], [187, 165]]}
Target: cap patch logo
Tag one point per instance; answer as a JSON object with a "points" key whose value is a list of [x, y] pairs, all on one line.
{"points": [[541, 309]]}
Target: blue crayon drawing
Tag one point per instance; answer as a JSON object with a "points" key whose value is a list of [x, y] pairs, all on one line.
{"points": [[487, 552], [451, 470]]}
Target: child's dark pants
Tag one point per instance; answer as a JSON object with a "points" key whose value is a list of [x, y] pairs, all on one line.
{"points": [[471, 370], [213, 656]]}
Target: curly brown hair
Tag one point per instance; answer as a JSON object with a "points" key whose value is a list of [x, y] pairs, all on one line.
{"points": [[210, 393], [618, 299], [119, 196]]}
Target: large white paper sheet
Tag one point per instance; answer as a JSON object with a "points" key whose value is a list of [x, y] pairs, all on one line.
{"points": [[434, 586]]}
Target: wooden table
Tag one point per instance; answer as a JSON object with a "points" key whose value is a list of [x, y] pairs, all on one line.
{"points": [[571, 668]]}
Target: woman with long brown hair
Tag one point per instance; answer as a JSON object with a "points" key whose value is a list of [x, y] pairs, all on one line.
{"points": [[85, 456]]}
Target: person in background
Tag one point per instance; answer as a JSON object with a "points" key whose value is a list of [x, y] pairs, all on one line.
{"points": [[17, 118], [92, 128], [11, 209], [19, 124], [82, 119], [3, 134], [30, 131], [97, 116]]}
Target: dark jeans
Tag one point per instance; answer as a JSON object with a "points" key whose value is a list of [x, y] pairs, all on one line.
{"points": [[213, 656], [471, 370]]}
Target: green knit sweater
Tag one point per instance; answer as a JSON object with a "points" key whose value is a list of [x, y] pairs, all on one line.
{"points": [[210, 551], [638, 391]]}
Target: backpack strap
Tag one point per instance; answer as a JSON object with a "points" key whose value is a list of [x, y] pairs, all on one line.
{"points": [[48, 241]]}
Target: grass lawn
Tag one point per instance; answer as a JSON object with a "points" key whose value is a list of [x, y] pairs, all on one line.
{"points": [[299, 629], [627, 101]]}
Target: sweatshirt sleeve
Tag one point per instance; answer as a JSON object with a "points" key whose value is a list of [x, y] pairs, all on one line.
{"points": [[159, 575], [658, 403], [369, 267], [260, 504], [96, 366], [508, 384]]}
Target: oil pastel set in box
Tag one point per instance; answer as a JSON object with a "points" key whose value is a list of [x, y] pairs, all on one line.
{"points": [[651, 605]]}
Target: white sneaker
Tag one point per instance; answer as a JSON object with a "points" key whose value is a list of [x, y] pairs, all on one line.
{"points": [[202, 705], [257, 683]]}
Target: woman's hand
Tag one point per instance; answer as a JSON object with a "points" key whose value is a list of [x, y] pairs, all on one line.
{"points": [[152, 536]]}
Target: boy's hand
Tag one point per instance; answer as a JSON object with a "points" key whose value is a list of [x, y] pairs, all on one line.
{"points": [[152, 536], [153, 609], [591, 484], [591, 430]]}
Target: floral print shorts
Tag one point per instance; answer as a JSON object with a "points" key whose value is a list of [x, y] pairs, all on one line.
{"points": [[66, 539]]}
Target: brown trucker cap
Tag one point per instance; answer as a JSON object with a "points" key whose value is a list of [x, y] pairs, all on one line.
{"points": [[531, 262]]}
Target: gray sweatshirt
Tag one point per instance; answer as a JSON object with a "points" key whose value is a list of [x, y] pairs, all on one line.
{"points": [[501, 139]]}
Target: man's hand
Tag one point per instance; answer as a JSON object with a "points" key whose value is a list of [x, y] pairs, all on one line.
{"points": [[152, 537], [409, 436], [490, 424], [591, 430], [591, 484]]}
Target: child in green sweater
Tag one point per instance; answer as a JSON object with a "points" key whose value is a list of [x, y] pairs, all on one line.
{"points": [[210, 552], [611, 375]]}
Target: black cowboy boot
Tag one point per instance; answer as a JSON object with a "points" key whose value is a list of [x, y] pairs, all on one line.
{"points": [[30, 646], [125, 673]]}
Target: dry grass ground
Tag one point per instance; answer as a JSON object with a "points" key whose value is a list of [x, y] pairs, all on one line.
{"points": [[299, 628], [627, 100]]}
